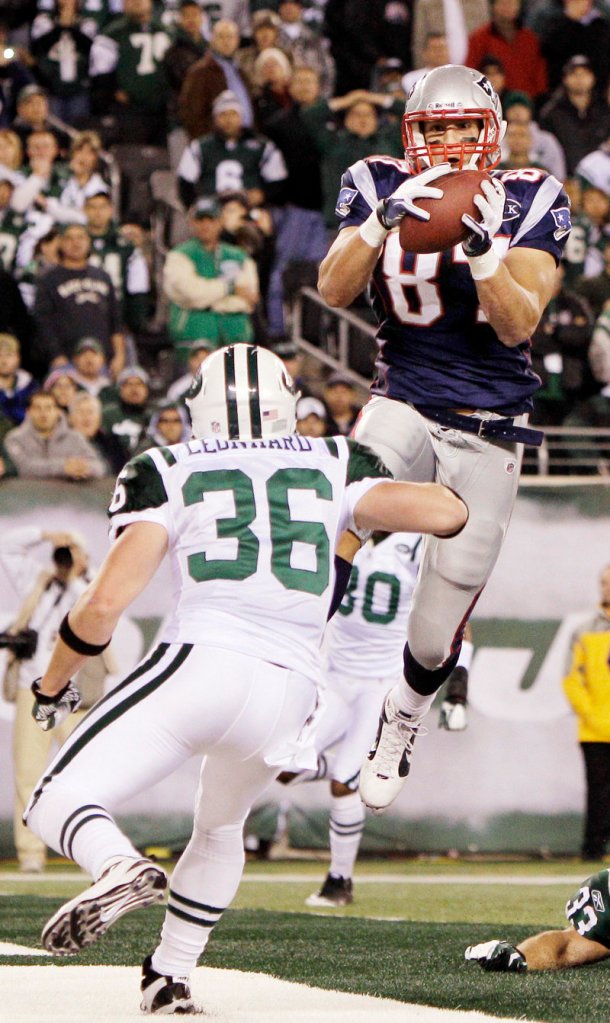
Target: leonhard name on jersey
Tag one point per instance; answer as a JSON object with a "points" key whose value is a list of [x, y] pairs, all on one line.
{"points": [[292, 443]]}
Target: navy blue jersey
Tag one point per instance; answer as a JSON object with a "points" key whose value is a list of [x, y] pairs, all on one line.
{"points": [[435, 345]]}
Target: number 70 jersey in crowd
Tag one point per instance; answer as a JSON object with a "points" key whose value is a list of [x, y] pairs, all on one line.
{"points": [[252, 528]]}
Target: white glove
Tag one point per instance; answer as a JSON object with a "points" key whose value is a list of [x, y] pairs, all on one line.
{"points": [[497, 956], [50, 711], [400, 204], [491, 207]]}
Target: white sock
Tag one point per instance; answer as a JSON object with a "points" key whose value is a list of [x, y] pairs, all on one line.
{"points": [[465, 658], [408, 701], [203, 884], [346, 825], [98, 842]]}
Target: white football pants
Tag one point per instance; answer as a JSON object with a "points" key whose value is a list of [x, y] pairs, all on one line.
{"points": [[245, 715]]}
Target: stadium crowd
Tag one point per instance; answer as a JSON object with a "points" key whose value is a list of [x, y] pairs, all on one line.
{"points": [[250, 112]]}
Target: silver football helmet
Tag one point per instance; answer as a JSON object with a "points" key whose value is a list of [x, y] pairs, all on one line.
{"points": [[453, 93], [242, 392]]}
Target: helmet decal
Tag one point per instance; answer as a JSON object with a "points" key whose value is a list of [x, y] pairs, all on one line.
{"points": [[255, 409], [242, 392]]}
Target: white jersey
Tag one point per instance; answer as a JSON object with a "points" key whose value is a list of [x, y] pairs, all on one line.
{"points": [[366, 637], [252, 529]]}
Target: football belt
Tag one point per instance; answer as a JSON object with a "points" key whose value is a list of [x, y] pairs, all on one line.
{"points": [[488, 429]]}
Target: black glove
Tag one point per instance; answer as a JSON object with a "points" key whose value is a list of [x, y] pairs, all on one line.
{"points": [[497, 956], [49, 711]]}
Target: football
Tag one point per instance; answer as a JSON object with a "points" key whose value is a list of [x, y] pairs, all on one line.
{"points": [[445, 228]]}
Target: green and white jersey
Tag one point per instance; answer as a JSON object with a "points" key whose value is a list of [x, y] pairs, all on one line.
{"points": [[122, 261], [589, 910], [584, 249], [252, 528], [62, 53], [216, 164], [134, 53], [366, 638], [12, 227], [99, 11]]}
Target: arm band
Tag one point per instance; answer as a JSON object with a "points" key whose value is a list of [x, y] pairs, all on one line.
{"points": [[343, 570], [79, 645], [373, 232], [483, 267]]}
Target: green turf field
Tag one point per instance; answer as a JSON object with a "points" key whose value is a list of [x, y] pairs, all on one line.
{"points": [[403, 938]]}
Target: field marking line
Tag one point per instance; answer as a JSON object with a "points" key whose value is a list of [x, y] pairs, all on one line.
{"points": [[302, 878], [110, 994], [8, 949]]}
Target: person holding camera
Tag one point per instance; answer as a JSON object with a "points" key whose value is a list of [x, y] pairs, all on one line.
{"points": [[45, 594]]}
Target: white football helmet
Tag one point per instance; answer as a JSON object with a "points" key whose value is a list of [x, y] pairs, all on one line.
{"points": [[242, 392], [453, 93]]}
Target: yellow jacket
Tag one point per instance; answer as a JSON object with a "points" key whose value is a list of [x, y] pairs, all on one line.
{"points": [[587, 684]]}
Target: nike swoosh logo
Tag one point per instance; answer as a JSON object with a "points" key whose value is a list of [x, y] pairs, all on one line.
{"points": [[108, 914]]}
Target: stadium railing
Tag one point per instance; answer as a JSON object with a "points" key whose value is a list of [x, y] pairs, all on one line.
{"points": [[343, 341]]}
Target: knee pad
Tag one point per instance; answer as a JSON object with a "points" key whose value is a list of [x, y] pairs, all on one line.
{"points": [[467, 560]]}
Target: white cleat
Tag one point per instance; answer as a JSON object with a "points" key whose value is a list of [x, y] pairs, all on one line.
{"points": [[452, 716], [166, 996], [127, 884], [386, 767]]}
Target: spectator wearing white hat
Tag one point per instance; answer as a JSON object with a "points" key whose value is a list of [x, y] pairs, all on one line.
{"points": [[311, 417], [265, 32], [231, 157]]}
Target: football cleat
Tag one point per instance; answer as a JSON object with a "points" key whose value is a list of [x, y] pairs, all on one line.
{"points": [[497, 956], [336, 891], [166, 996], [127, 884], [386, 767], [452, 714]]}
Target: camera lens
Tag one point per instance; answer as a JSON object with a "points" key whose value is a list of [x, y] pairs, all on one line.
{"points": [[62, 556]]}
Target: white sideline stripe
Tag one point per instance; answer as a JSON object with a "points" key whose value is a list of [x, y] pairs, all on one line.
{"points": [[7, 949], [453, 879], [110, 994]]}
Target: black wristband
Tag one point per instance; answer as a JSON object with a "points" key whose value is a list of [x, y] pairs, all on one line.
{"points": [[79, 645], [343, 571]]}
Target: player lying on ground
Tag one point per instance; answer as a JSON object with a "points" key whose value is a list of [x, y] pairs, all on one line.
{"points": [[249, 514], [586, 941]]}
